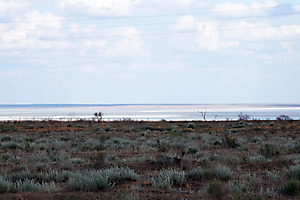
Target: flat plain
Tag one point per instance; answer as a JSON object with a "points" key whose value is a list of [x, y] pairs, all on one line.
{"points": [[245, 159]]}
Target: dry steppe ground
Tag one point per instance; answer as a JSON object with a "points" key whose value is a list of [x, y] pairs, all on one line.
{"points": [[150, 160]]}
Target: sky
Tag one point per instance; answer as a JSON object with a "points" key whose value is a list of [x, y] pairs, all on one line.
{"points": [[149, 51]]}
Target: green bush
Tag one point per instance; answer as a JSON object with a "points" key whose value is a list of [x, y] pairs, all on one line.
{"points": [[100, 179], [231, 141], [220, 172], [192, 149], [6, 156], [191, 125], [291, 187], [216, 189], [6, 138], [169, 178], [31, 185], [10, 145], [4, 185], [39, 167], [269, 150], [223, 173], [293, 173], [198, 174]]}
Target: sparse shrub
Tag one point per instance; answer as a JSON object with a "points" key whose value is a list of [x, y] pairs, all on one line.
{"points": [[231, 160], [29, 139], [6, 138], [243, 116], [223, 172], [9, 145], [283, 117], [198, 174], [256, 140], [20, 176], [77, 160], [273, 176], [257, 158], [291, 187], [145, 133], [19, 168], [16, 160], [168, 178], [123, 196], [237, 188], [100, 179], [150, 159], [29, 147], [59, 145], [56, 176], [99, 161], [191, 125], [28, 185], [66, 166], [4, 185], [31, 185], [40, 158], [92, 144], [269, 150], [107, 128], [254, 180], [163, 145], [192, 149], [6, 156], [216, 189], [231, 141], [293, 173], [213, 157], [60, 157], [120, 143]]}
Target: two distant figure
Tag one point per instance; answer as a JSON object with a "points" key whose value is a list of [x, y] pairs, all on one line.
{"points": [[98, 116]]}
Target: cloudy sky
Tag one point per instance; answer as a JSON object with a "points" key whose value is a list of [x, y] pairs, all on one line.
{"points": [[149, 51]]}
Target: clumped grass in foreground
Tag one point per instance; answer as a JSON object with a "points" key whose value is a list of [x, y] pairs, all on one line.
{"points": [[221, 172], [291, 187], [166, 179]]}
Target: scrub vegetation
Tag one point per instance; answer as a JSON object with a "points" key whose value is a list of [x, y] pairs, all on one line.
{"points": [[245, 159]]}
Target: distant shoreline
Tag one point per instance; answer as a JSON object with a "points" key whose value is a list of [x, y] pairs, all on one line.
{"points": [[146, 112], [105, 105]]}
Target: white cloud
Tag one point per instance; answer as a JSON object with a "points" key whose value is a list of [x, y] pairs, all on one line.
{"points": [[12, 7], [296, 8], [126, 47], [185, 23], [227, 44], [234, 33], [130, 45], [88, 68], [12, 73], [126, 31], [96, 7], [287, 45], [259, 31], [95, 43], [179, 5], [207, 39], [238, 9], [170, 67], [33, 21], [125, 7]]}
